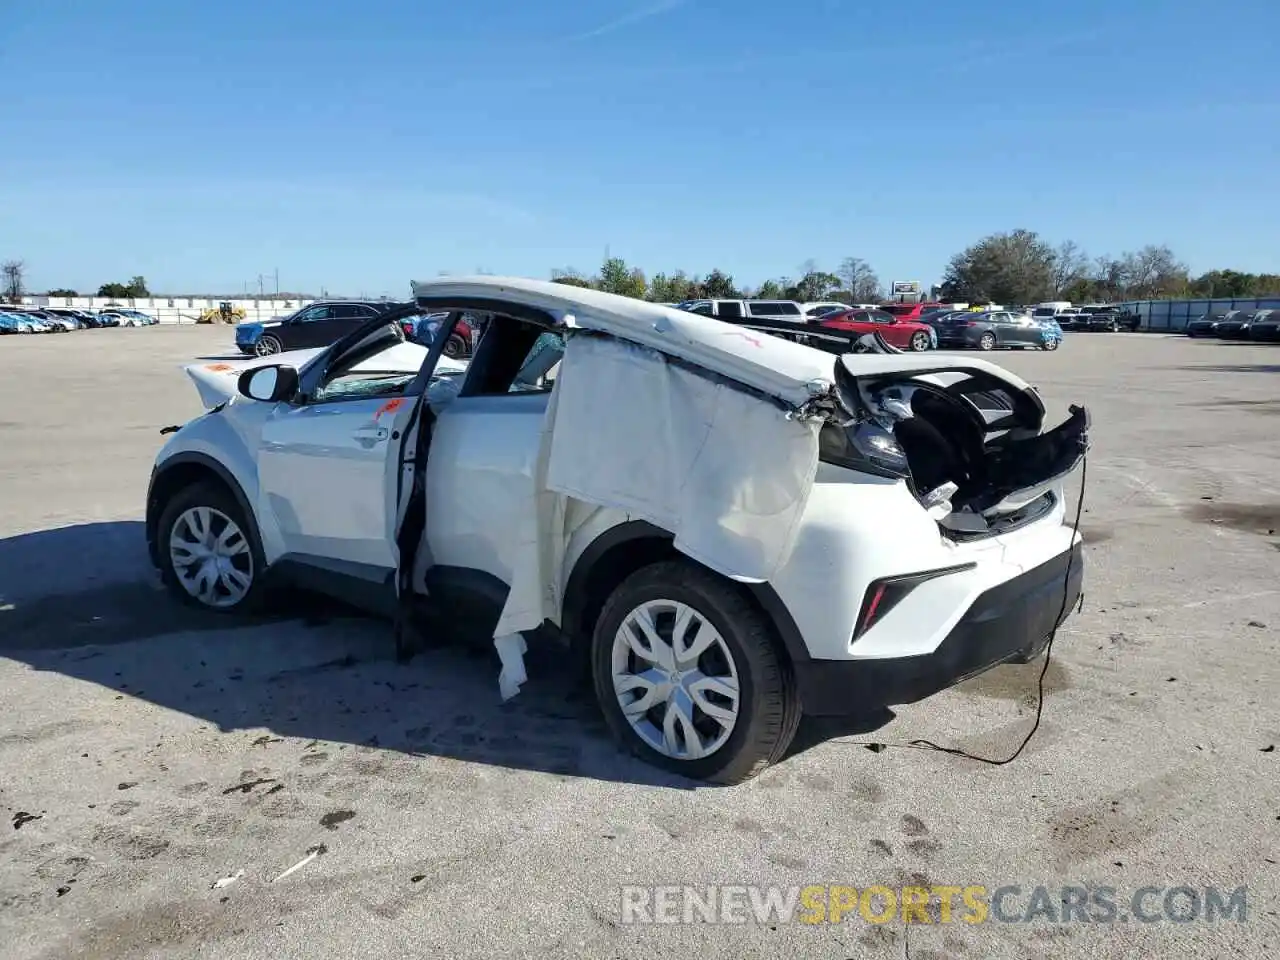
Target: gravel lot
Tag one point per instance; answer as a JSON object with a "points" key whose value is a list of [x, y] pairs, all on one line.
{"points": [[147, 751]]}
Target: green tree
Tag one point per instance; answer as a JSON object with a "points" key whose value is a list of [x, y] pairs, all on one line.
{"points": [[769, 290], [670, 289], [718, 286], [62, 292], [814, 285], [570, 278], [137, 287], [1015, 267], [617, 277], [116, 291]]}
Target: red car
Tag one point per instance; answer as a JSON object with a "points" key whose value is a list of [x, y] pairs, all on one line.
{"points": [[904, 334], [911, 311]]}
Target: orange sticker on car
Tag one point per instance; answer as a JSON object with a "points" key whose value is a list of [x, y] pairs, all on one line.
{"points": [[391, 406], [219, 367]]}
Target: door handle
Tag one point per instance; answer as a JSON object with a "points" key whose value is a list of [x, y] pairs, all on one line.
{"points": [[371, 434]]}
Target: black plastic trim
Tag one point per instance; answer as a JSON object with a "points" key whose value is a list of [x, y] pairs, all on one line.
{"points": [[902, 586], [154, 507], [363, 585], [1011, 622], [576, 598]]}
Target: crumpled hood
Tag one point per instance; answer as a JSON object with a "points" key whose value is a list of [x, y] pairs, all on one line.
{"points": [[217, 381]]}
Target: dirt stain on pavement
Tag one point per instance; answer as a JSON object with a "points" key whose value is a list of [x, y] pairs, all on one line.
{"points": [[331, 820], [1260, 518], [1017, 681]]}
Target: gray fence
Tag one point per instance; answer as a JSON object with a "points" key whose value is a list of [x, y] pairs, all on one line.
{"points": [[1173, 315]]}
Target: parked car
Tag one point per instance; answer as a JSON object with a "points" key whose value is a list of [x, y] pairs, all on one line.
{"points": [[1238, 327], [992, 329], [33, 321], [14, 321], [813, 311], [1265, 326], [55, 322], [423, 329], [912, 311], [82, 319], [905, 334], [1102, 317], [1207, 325], [1053, 336], [881, 566], [128, 317], [736, 311], [315, 325]]}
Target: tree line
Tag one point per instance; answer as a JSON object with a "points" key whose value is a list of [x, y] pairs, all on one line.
{"points": [[1016, 267]]}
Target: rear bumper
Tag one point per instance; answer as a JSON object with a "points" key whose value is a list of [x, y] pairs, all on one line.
{"points": [[1011, 622]]}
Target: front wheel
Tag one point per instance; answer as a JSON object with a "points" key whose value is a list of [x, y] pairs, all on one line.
{"points": [[987, 341], [919, 341], [268, 346], [208, 550], [1051, 344], [688, 676]]}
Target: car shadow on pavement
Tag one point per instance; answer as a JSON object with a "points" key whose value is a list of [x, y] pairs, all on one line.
{"points": [[83, 601]]}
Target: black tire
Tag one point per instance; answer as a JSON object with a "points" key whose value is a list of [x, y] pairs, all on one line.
{"points": [[455, 347], [769, 704], [268, 346], [1115, 326], [920, 341], [1052, 344], [987, 341], [210, 494]]}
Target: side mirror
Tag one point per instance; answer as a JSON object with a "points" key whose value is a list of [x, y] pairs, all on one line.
{"points": [[269, 384]]}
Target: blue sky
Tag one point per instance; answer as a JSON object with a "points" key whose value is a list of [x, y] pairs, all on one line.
{"points": [[356, 146]]}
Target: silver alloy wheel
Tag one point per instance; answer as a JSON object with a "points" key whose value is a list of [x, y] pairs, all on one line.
{"points": [[211, 557], [1051, 343], [675, 680], [266, 346], [987, 341], [919, 341]]}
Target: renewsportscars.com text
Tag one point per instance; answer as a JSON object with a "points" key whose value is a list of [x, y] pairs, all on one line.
{"points": [[942, 904]]}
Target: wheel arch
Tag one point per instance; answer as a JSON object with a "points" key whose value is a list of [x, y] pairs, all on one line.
{"points": [[180, 471], [622, 550]]}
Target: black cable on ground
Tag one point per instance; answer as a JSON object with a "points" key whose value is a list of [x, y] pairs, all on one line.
{"points": [[920, 744]]}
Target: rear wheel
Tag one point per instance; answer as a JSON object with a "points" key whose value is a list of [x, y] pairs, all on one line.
{"points": [[919, 341], [208, 550], [1051, 343], [455, 346], [688, 676], [987, 341]]}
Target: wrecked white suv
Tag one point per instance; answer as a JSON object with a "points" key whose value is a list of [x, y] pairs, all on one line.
{"points": [[726, 528]]}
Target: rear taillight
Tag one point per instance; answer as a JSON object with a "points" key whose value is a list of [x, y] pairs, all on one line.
{"points": [[886, 593], [864, 447]]}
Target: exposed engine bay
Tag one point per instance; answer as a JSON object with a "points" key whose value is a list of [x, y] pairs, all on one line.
{"points": [[970, 446]]}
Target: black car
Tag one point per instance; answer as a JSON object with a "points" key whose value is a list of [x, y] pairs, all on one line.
{"points": [[1207, 324], [1265, 326], [1239, 326], [1103, 318], [315, 325]]}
